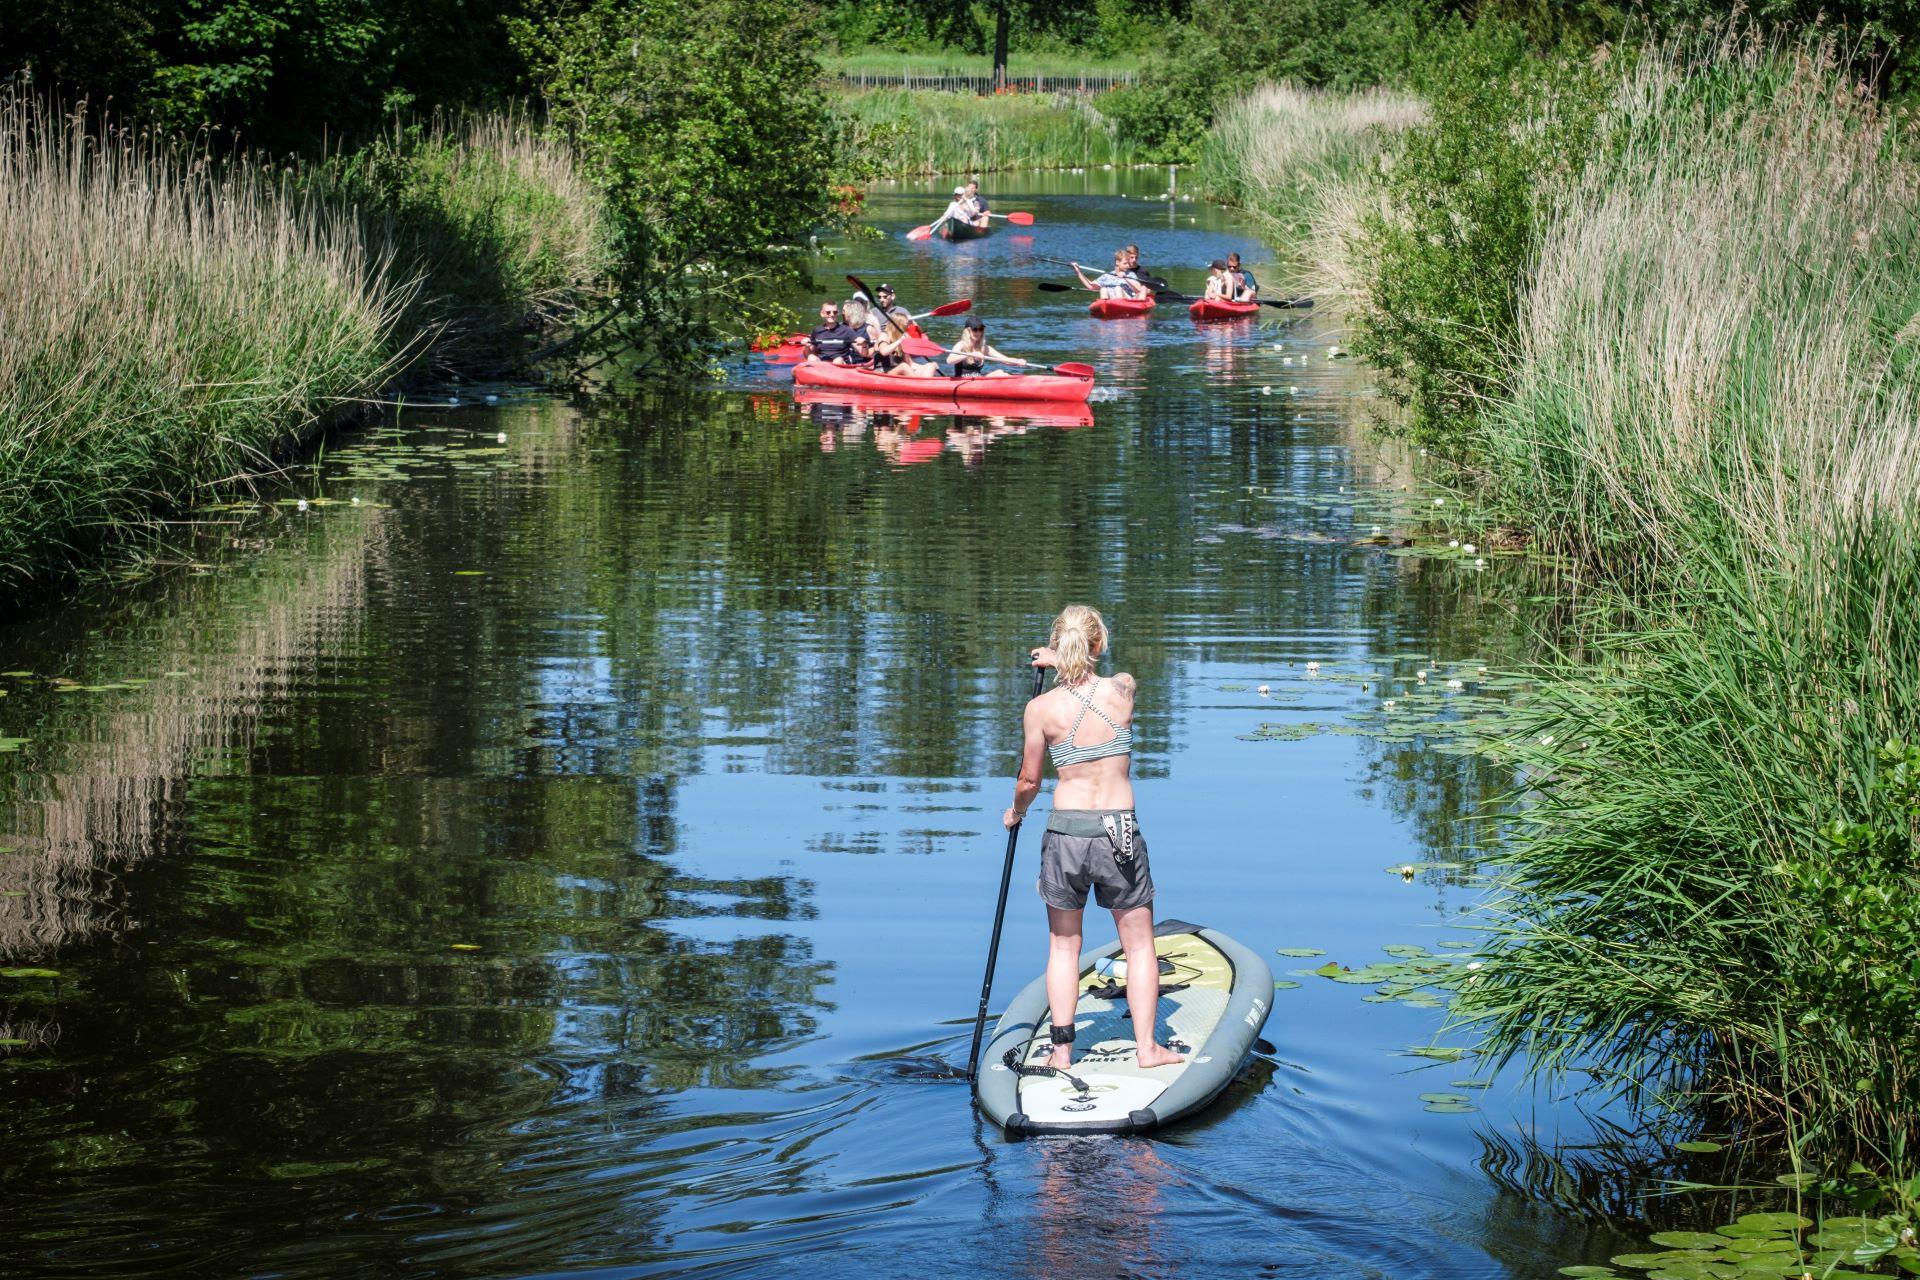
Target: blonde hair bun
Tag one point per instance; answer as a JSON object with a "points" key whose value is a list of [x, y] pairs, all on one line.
{"points": [[1079, 638]]}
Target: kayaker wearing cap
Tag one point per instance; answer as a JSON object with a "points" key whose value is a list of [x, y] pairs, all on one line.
{"points": [[1219, 283], [958, 210], [968, 357], [1093, 842], [1245, 287], [1117, 283], [831, 339]]}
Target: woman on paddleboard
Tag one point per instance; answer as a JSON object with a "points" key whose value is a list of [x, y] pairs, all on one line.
{"points": [[1093, 842]]}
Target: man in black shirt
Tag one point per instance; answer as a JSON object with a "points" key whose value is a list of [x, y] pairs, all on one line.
{"points": [[831, 340]]}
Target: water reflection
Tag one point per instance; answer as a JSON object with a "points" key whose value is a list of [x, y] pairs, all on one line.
{"points": [[576, 854]]}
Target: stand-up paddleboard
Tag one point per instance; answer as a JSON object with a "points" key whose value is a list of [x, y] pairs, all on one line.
{"points": [[1214, 998]]}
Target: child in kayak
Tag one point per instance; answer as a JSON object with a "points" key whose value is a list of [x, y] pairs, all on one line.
{"points": [[1219, 283], [1245, 287], [1117, 283]]}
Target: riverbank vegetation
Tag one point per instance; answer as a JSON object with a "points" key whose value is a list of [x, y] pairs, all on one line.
{"points": [[904, 132], [1652, 306], [185, 308]]}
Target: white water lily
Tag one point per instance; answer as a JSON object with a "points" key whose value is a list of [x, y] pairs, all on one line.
{"points": [[1293, 391], [355, 500], [300, 505], [1453, 542], [1473, 964], [501, 438], [1439, 502], [1456, 685], [492, 398], [1479, 563], [1421, 675], [1313, 668], [1406, 871], [1546, 739], [1483, 671], [1266, 391], [1469, 548], [1264, 691]]}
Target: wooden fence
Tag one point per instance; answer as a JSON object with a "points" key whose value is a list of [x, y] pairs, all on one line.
{"points": [[985, 84]]}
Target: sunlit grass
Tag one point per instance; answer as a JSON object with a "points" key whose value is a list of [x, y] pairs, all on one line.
{"points": [[922, 132], [947, 62]]}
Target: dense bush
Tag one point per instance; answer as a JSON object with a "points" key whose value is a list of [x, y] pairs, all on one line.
{"points": [[1463, 204]]}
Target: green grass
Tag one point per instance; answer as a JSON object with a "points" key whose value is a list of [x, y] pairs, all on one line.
{"points": [[921, 132], [953, 63], [173, 323]]}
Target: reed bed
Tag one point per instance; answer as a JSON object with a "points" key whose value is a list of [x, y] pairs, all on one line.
{"points": [[165, 324], [171, 320], [1282, 150], [913, 132], [493, 213], [1716, 404]]}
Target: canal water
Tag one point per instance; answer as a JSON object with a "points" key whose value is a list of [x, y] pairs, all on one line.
{"points": [[560, 837]]}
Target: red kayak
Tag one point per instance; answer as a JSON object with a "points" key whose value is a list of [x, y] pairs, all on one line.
{"points": [[1020, 386], [1119, 308], [1220, 309], [1058, 413]]}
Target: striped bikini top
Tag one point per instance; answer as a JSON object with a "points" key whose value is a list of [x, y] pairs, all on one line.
{"points": [[1065, 753]]}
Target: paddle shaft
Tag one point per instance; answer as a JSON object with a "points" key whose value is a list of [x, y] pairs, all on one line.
{"points": [[999, 918]]}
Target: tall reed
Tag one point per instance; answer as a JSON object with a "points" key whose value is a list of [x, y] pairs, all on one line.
{"points": [[1716, 403], [1281, 150], [165, 324], [905, 132], [493, 212]]}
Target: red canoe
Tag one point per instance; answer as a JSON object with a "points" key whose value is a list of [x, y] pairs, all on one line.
{"points": [[1021, 386], [1219, 309], [1055, 413], [1119, 308]]}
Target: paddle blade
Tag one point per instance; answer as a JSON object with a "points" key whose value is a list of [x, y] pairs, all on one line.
{"points": [[920, 233], [953, 308], [1048, 286], [1076, 370], [785, 355], [922, 347], [1020, 219]]}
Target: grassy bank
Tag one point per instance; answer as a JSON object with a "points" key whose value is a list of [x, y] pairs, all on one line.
{"points": [[173, 321], [1712, 399], [1295, 158], [900, 132], [1659, 313]]}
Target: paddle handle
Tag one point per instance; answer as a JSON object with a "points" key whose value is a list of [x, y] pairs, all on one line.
{"points": [[999, 918]]}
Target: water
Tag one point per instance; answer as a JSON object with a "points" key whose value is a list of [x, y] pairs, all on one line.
{"points": [[577, 855]]}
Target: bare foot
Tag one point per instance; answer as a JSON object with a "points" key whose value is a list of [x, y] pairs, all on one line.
{"points": [[1061, 1058], [1156, 1055]]}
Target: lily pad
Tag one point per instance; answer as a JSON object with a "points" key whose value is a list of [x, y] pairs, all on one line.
{"points": [[1298, 952], [1778, 1221], [1450, 1108], [1284, 984], [1581, 1272], [1687, 1239], [1404, 949], [1460, 1097], [1699, 1147]]}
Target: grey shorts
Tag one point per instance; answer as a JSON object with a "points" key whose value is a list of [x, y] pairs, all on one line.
{"points": [[1089, 849]]}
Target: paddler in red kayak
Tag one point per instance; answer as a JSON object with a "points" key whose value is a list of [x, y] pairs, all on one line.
{"points": [[1220, 284], [830, 340], [968, 357], [1117, 283], [1245, 287]]}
